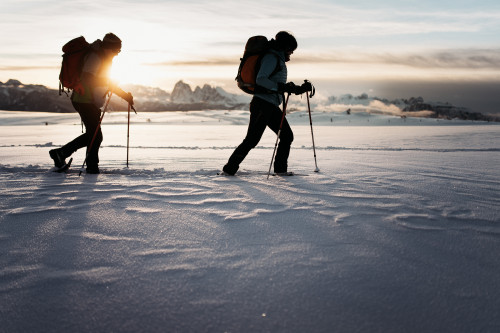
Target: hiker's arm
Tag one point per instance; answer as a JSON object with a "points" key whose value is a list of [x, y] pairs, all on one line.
{"points": [[120, 92], [95, 81], [269, 63]]}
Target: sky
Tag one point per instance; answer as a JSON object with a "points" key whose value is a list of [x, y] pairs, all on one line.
{"points": [[440, 50]]}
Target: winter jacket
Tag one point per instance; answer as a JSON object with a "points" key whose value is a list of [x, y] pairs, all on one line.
{"points": [[264, 78], [95, 65]]}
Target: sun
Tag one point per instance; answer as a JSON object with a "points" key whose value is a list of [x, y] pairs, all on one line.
{"points": [[130, 69]]}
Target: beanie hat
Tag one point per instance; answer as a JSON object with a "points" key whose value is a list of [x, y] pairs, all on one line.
{"points": [[111, 41], [285, 41]]}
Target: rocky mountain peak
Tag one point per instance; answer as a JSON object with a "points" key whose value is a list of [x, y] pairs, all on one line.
{"points": [[182, 93]]}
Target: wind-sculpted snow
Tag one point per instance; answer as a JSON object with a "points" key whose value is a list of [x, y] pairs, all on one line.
{"points": [[398, 232]]}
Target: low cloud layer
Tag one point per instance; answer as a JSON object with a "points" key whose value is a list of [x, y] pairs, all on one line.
{"points": [[447, 59], [27, 68], [452, 59]]}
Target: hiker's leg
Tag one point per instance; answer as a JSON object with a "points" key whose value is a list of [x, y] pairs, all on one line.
{"points": [[90, 115], [91, 120], [256, 127], [80, 141], [285, 140]]}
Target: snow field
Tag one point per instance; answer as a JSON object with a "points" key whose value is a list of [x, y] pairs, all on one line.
{"points": [[398, 232]]}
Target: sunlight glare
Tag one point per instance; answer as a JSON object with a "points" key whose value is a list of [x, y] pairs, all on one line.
{"points": [[128, 68]]}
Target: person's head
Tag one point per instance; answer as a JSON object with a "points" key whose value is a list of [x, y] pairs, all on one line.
{"points": [[111, 44], [286, 42]]}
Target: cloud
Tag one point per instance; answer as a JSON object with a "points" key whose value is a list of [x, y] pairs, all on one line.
{"points": [[448, 59], [472, 59], [27, 68], [451, 59], [373, 107], [229, 61]]}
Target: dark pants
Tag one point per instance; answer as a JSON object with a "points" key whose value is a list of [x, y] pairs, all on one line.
{"points": [[263, 114], [90, 115]]}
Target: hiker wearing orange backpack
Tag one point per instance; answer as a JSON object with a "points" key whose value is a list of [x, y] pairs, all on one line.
{"points": [[266, 79], [90, 84]]}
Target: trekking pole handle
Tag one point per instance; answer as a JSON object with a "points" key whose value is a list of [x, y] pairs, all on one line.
{"points": [[313, 91]]}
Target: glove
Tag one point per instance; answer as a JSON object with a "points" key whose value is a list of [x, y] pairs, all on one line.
{"points": [[305, 87], [289, 87], [129, 98]]}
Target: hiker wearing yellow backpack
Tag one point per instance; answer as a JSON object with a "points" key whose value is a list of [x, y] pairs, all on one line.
{"points": [[85, 70], [263, 73]]}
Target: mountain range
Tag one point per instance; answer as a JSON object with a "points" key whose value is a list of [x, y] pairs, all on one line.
{"points": [[16, 96]]}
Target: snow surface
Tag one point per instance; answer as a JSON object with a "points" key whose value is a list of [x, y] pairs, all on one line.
{"points": [[398, 232]]}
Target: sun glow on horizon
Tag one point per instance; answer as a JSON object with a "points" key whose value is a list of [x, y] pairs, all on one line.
{"points": [[129, 69]]}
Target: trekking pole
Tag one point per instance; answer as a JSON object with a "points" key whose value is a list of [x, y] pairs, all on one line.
{"points": [[128, 127], [128, 130], [312, 134], [279, 132], [95, 134]]}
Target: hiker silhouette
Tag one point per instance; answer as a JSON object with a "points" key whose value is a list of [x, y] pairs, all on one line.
{"points": [[89, 97], [264, 107]]}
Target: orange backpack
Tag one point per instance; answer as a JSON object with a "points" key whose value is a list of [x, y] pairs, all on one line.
{"points": [[255, 49]]}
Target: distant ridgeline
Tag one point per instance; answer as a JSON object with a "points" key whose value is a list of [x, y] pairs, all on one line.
{"points": [[15, 96], [412, 107], [444, 110]]}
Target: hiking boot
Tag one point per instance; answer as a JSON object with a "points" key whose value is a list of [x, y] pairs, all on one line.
{"points": [[228, 171], [286, 173], [93, 170], [58, 157]]}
